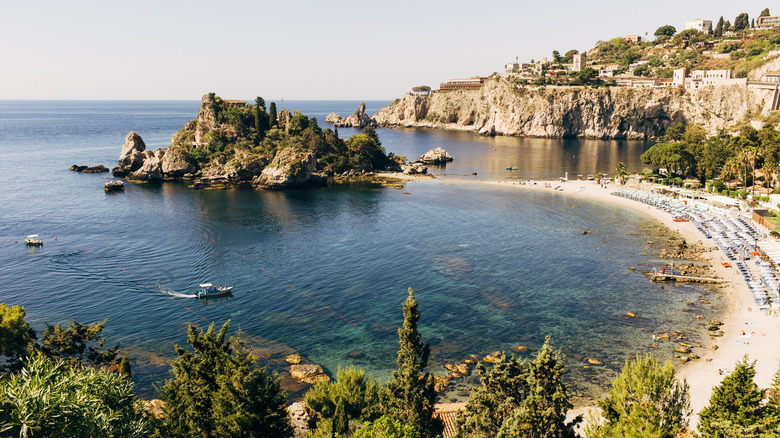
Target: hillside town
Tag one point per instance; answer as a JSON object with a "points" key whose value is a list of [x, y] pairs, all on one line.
{"points": [[700, 55]]}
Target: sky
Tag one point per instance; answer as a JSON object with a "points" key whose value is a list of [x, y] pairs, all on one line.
{"points": [[301, 50]]}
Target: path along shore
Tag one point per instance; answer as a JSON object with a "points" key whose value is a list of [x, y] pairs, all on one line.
{"points": [[761, 341]]}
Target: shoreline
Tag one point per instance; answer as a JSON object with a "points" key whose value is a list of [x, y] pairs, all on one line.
{"points": [[739, 314]]}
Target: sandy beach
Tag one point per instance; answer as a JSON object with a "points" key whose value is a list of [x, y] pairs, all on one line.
{"points": [[760, 329]]}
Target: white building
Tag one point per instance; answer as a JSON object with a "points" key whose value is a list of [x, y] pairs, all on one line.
{"points": [[703, 26], [516, 67], [578, 61], [702, 78]]}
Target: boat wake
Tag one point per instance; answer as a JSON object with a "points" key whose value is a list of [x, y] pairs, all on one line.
{"points": [[173, 293]]}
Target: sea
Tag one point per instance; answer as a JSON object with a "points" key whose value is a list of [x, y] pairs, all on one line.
{"points": [[323, 272]]}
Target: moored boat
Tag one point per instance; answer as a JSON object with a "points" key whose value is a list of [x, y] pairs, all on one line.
{"points": [[208, 290], [32, 240]]}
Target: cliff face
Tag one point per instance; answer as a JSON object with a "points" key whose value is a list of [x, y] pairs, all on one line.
{"points": [[617, 113]]}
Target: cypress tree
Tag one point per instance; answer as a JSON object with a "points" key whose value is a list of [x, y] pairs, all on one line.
{"points": [[261, 120], [735, 404], [719, 27], [410, 394], [272, 113], [340, 421]]}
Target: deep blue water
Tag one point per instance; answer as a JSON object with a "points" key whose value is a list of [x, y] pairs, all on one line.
{"points": [[492, 267]]}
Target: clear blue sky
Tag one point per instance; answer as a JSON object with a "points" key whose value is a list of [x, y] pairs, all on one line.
{"points": [[362, 50]]}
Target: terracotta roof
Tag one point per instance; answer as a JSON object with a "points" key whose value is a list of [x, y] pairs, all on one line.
{"points": [[447, 412]]}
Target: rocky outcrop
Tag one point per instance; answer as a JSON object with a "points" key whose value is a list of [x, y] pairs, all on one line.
{"points": [[308, 373], [414, 169], [499, 108], [301, 418], [151, 170], [290, 168], [87, 169], [175, 162], [435, 156], [132, 156], [359, 119]]}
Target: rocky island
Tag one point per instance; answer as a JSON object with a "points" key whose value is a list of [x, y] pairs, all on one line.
{"points": [[232, 143]]}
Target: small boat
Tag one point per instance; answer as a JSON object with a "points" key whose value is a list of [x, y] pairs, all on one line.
{"points": [[32, 240], [679, 219], [511, 168], [114, 186], [208, 290]]}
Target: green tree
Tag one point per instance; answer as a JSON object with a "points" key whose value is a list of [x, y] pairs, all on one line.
{"points": [[298, 123], [620, 172], [217, 391], [15, 334], [645, 400], [261, 120], [384, 427], [357, 395], [272, 114], [410, 394], [569, 56], [666, 30], [48, 399], [586, 74], [556, 56], [735, 405], [764, 13], [503, 387], [516, 398], [78, 344], [719, 27], [422, 90], [742, 22]]}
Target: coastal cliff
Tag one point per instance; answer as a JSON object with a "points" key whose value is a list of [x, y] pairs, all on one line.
{"points": [[501, 108]]}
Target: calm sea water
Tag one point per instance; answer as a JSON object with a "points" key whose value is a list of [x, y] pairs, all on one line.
{"points": [[324, 272]]}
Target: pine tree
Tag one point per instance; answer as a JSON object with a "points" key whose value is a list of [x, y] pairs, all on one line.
{"points": [[340, 421], [645, 400], [218, 391], [261, 120], [741, 22], [735, 404], [502, 388], [543, 412], [410, 394], [357, 394]]}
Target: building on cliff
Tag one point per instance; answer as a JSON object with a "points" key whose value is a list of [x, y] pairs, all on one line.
{"points": [[703, 26], [693, 80], [463, 84], [768, 22], [578, 61], [633, 39], [235, 103]]}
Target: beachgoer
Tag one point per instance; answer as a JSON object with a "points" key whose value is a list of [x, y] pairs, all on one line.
{"points": [[720, 371], [663, 270]]}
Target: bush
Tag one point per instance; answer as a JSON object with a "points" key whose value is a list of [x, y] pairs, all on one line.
{"points": [[732, 193], [742, 194]]}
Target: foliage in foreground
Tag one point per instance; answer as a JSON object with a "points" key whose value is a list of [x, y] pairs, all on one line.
{"points": [[411, 394], [47, 399], [518, 398], [351, 397], [218, 391], [645, 400], [384, 427], [735, 405]]}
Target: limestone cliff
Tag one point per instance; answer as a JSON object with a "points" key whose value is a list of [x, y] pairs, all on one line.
{"points": [[499, 108]]}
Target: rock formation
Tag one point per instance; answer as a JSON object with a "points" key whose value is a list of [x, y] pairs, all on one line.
{"points": [[359, 119], [132, 156], [499, 108], [435, 156], [289, 168], [301, 418], [87, 169], [308, 373]]}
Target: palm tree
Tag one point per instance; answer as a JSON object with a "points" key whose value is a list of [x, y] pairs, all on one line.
{"points": [[621, 172]]}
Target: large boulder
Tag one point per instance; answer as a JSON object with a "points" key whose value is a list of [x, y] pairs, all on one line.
{"points": [[435, 156], [151, 170], [289, 168], [175, 163], [132, 156], [308, 373]]}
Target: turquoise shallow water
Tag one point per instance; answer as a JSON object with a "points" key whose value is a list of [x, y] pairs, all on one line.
{"points": [[492, 267]]}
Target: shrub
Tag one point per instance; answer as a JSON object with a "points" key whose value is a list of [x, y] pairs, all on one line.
{"points": [[742, 194]]}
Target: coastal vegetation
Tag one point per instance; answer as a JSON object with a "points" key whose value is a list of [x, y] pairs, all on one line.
{"points": [[217, 389], [748, 159]]}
